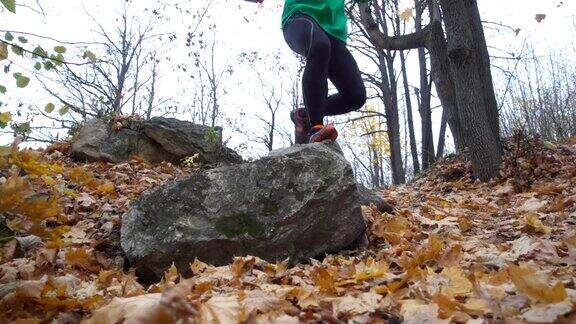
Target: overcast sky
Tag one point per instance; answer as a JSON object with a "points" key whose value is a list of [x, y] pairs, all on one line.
{"points": [[245, 27]]}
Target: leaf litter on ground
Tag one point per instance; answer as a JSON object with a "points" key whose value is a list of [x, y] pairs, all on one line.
{"points": [[456, 250]]}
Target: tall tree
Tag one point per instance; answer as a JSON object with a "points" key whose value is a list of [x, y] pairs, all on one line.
{"points": [[424, 96], [470, 65], [461, 72]]}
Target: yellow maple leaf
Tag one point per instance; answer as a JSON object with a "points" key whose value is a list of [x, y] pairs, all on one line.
{"points": [[105, 188], [534, 285], [324, 280], [5, 117], [198, 266], [534, 224], [459, 284], [406, 14], [370, 269]]}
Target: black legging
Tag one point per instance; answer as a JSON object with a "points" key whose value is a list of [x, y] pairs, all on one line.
{"points": [[326, 58]]}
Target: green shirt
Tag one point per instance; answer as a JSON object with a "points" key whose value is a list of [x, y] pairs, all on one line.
{"points": [[329, 14]]}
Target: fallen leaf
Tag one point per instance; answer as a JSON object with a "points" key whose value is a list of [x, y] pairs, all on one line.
{"points": [[324, 280], [458, 283], [416, 311], [121, 309], [351, 305], [533, 224], [534, 286], [547, 313]]}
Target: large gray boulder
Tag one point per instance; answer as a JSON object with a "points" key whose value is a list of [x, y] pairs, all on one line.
{"points": [[297, 203], [155, 140]]}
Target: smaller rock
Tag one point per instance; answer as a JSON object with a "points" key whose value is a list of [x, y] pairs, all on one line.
{"points": [[155, 140]]}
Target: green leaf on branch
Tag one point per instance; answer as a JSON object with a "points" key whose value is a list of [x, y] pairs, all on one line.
{"points": [[2, 89], [60, 49], [17, 50], [9, 37], [57, 59], [3, 51], [64, 110], [49, 108], [21, 80], [22, 39], [22, 128], [91, 56], [39, 51], [38, 66], [10, 5], [48, 65]]}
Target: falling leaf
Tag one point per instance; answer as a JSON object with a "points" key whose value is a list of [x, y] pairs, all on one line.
{"points": [[540, 17], [406, 15]]}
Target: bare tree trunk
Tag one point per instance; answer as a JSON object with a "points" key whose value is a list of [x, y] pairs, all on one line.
{"points": [[375, 167], [442, 77], [152, 90], [484, 146], [390, 99], [424, 103], [136, 84], [479, 40], [442, 137], [413, 144]]}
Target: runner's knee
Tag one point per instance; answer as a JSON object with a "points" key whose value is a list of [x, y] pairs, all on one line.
{"points": [[357, 99]]}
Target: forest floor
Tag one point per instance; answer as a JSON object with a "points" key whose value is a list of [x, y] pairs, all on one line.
{"points": [[456, 250]]}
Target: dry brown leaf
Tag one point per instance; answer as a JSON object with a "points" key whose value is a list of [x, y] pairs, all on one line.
{"points": [[122, 309], [532, 205], [458, 283], [324, 280], [533, 224], [416, 311], [547, 313], [534, 285], [354, 305], [370, 269], [451, 257]]}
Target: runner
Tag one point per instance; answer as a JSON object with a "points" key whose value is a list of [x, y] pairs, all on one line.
{"points": [[317, 30]]}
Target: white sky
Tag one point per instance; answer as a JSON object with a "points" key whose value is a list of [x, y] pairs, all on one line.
{"points": [[67, 20]]}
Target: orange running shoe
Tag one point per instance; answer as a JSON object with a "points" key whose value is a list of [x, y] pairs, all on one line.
{"points": [[321, 133]]}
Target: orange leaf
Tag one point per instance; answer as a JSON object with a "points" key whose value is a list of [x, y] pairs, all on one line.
{"points": [[323, 279]]}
